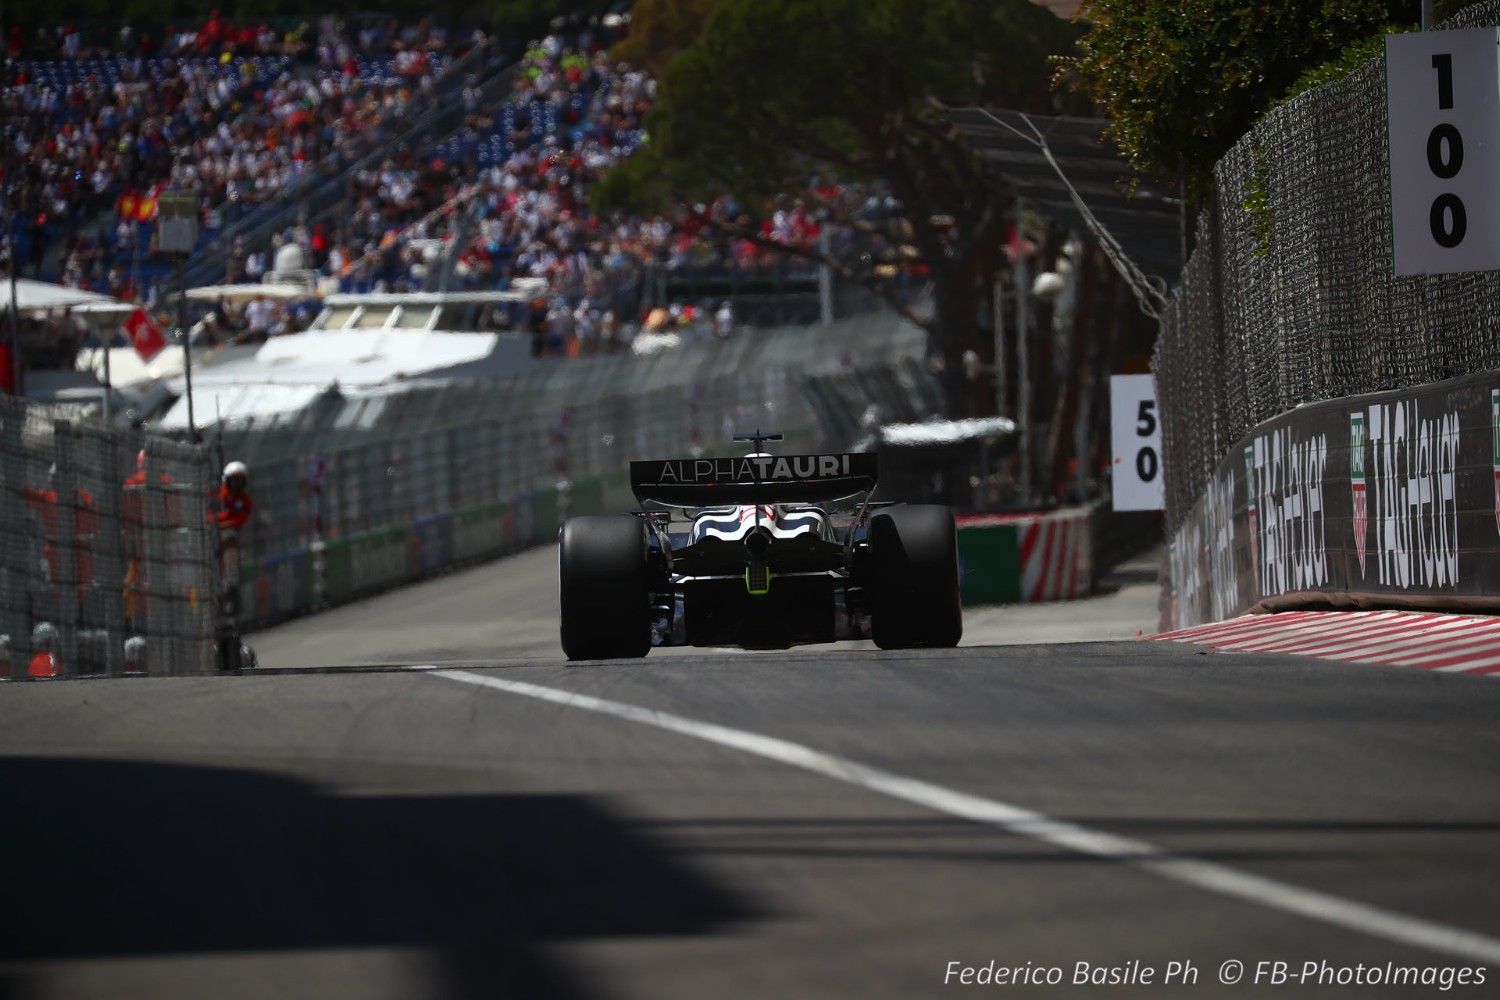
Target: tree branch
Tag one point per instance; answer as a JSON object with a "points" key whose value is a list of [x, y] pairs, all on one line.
{"points": [[868, 280]]}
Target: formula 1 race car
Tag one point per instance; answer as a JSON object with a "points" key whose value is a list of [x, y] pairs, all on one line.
{"points": [[771, 551]]}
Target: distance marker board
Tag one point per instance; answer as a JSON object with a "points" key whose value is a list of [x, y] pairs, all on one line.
{"points": [[1136, 436], [1443, 100]]}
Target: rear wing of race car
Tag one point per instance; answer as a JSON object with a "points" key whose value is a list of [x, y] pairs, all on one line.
{"points": [[751, 479]]}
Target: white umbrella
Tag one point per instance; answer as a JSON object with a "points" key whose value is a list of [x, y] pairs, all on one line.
{"points": [[108, 308], [247, 293], [32, 294], [100, 314]]}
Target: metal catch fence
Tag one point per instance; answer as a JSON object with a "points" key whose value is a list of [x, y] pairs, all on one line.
{"points": [[1289, 296], [107, 551], [368, 459], [110, 562]]}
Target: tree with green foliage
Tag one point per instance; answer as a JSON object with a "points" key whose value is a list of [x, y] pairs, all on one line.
{"points": [[659, 29], [774, 92], [1181, 81]]}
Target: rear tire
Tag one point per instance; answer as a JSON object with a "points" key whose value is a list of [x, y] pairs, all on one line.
{"points": [[602, 584], [914, 600]]}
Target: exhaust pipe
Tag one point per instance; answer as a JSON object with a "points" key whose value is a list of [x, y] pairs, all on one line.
{"points": [[758, 544]]}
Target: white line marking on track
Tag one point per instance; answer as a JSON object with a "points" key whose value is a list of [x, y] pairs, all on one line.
{"points": [[1206, 875]]}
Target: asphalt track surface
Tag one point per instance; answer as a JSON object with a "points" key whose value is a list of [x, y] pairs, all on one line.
{"points": [[825, 822]]}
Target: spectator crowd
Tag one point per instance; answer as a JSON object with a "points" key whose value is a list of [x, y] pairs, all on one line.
{"points": [[243, 113], [250, 114]]}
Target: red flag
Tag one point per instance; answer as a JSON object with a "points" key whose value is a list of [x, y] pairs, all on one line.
{"points": [[145, 336], [8, 379]]}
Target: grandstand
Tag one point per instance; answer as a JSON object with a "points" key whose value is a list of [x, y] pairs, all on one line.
{"points": [[99, 134], [393, 159], [384, 158]]}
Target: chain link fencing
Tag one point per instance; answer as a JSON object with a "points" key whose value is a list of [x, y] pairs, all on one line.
{"points": [[1290, 296], [109, 561], [372, 487], [107, 554]]}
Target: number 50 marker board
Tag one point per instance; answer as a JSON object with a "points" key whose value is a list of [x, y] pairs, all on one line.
{"points": [[1136, 435]]}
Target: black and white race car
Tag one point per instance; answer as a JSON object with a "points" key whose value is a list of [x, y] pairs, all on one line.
{"points": [[760, 551]]}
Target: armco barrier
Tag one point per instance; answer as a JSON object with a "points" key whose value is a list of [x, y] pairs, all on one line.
{"points": [[381, 558], [368, 562], [545, 520], [1390, 499], [432, 549], [276, 586], [485, 529], [1004, 558], [989, 560], [286, 584], [1007, 558], [586, 496], [338, 580]]}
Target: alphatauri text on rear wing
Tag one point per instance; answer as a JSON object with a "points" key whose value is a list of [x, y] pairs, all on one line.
{"points": [[750, 479]]}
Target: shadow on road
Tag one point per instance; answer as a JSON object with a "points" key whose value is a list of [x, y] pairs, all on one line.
{"points": [[113, 858], [963, 842]]}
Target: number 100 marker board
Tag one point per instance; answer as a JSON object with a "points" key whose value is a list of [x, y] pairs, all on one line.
{"points": [[1443, 96]]}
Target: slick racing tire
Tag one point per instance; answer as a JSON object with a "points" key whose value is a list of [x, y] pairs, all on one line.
{"points": [[602, 583], [914, 600]]}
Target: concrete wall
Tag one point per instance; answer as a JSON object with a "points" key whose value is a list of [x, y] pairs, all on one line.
{"points": [[1388, 500]]}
